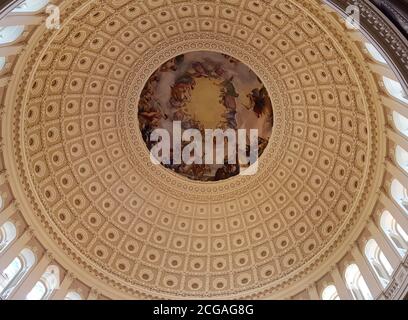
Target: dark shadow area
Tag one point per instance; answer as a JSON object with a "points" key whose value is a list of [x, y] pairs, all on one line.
{"points": [[396, 11]]}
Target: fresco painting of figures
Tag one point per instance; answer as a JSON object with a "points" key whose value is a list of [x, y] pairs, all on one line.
{"points": [[205, 90]]}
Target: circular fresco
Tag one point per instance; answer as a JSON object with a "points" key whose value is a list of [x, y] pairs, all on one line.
{"points": [[206, 92]]}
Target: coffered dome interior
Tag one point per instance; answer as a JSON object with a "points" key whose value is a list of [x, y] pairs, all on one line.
{"points": [[83, 178]]}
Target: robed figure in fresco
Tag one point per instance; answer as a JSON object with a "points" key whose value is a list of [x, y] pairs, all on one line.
{"points": [[229, 96], [260, 102]]}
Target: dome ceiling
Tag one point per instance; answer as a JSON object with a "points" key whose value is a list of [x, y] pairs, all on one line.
{"points": [[145, 231]]}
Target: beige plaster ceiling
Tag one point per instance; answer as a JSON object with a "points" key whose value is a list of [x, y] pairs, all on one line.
{"points": [[143, 231]]}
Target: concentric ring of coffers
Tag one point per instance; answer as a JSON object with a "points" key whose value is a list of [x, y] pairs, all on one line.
{"points": [[144, 229]]}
